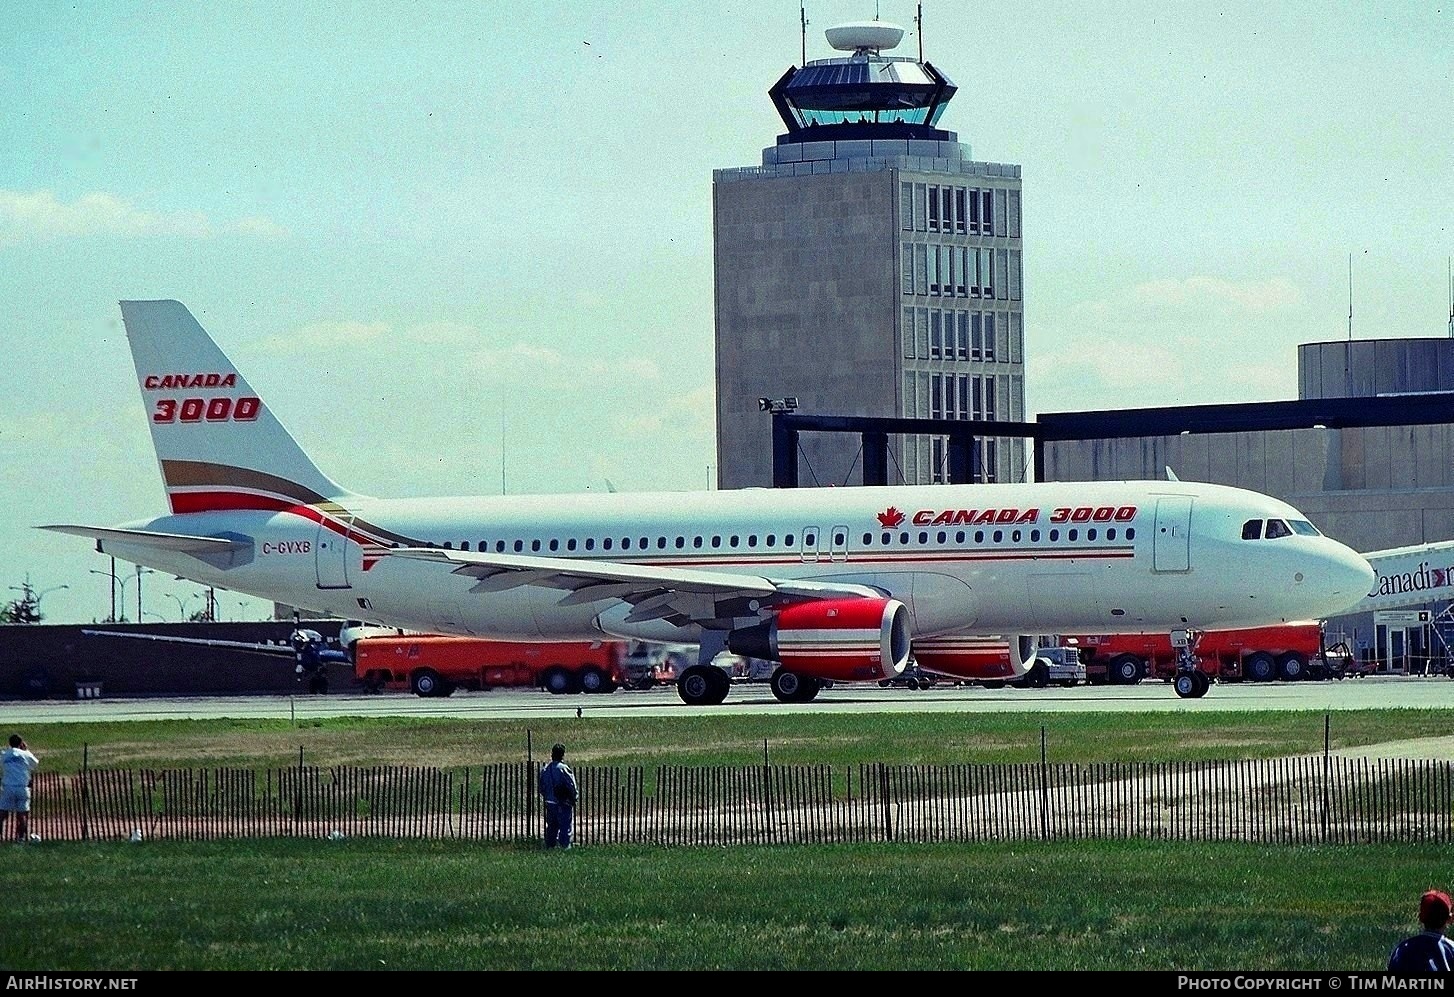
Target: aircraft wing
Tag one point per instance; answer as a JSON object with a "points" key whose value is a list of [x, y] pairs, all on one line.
{"points": [[679, 595]]}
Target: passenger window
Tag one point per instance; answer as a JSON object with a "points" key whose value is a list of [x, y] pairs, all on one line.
{"points": [[1277, 528], [867, 539], [924, 537], [625, 543], [840, 539], [959, 537], [696, 541], [555, 545], [1034, 536], [1015, 536], [606, 544], [681, 542], [1090, 534], [464, 545], [499, 546], [903, 538], [1054, 535], [811, 540], [999, 535], [732, 540], [1072, 535], [979, 536], [448, 545], [752, 540], [590, 543], [519, 546], [661, 543], [788, 540], [535, 545], [943, 537], [772, 539], [716, 541], [570, 544], [1130, 533], [1111, 534], [645, 543], [1252, 529]]}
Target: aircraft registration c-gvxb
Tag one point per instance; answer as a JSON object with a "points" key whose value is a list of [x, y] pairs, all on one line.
{"points": [[839, 584]]}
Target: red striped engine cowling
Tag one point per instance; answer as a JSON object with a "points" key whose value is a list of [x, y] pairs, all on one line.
{"points": [[846, 640]]}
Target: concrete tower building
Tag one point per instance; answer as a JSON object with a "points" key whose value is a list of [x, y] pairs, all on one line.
{"points": [[869, 266]]}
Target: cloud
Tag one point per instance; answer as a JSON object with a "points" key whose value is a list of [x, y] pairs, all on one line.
{"points": [[36, 216], [1159, 299], [316, 337]]}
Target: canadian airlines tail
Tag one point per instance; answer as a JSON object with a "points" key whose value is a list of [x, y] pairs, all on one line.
{"points": [[218, 445]]}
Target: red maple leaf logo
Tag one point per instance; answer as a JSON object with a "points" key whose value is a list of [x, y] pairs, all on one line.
{"points": [[890, 518]]}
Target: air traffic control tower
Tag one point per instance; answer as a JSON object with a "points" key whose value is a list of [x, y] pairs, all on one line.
{"points": [[870, 266]]}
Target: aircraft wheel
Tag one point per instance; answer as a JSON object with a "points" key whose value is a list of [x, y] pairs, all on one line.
{"points": [[810, 690], [994, 684], [1203, 684], [318, 685], [698, 686], [1185, 684], [926, 683], [426, 682], [787, 686]]}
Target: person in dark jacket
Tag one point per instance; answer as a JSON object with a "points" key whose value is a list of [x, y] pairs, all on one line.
{"points": [[1428, 951], [559, 791]]}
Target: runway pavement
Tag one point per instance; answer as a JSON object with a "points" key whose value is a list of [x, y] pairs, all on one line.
{"points": [[1350, 694]]}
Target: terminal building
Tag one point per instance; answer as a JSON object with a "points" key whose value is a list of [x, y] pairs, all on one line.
{"points": [[869, 265]]}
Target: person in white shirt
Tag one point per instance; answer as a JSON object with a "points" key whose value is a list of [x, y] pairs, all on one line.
{"points": [[16, 764]]}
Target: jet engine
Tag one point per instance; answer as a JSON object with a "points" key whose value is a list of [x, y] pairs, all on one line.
{"points": [[847, 640], [967, 657]]}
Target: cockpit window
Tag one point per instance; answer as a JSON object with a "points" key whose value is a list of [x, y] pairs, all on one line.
{"points": [[1277, 528], [1303, 528], [1252, 529]]}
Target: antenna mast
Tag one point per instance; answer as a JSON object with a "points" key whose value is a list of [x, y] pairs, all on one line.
{"points": [[1350, 297], [1450, 264], [919, 28], [803, 16]]}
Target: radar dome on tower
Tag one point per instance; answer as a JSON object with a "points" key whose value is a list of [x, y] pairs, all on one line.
{"points": [[864, 36]]}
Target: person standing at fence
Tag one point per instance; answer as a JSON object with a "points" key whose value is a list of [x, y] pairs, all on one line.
{"points": [[559, 791], [17, 763], [1429, 951]]}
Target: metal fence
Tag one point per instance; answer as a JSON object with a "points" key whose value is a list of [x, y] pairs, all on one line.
{"points": [[1302, 800]]}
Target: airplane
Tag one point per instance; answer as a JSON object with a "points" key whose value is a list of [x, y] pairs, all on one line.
{"points": [[833, 584]]}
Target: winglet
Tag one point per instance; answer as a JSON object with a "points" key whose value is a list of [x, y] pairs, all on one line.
{"points": [[1171, 475]]}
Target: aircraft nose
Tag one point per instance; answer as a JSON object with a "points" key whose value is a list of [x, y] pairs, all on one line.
{"points": [[1349, 577]]}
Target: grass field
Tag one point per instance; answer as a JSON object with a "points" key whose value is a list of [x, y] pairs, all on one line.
{"points": [[728, 739], [373, 904], [322, 905]]}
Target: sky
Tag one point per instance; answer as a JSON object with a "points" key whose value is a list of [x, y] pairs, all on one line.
{"points": [[466, 247]]}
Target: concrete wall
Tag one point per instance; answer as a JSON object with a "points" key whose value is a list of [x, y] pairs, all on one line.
{"points": [[42, 661], [806, 301]]}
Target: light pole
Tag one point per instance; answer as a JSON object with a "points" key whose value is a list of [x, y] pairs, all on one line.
{"points": [[139, 572], [111, 575], [181, 605]]}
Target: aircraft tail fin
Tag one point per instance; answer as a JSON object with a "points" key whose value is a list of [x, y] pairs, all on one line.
{"points": [[218, 445]]}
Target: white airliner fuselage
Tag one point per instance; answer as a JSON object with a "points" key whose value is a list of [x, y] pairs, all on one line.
{"points": [[833, 582]]}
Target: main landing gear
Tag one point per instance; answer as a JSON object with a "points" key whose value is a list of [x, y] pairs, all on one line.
{"points": [[1190, 682]]}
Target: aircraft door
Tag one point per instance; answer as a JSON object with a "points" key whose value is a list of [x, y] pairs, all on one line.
{"points": [[1172, 543], [808, 549], [330, 555], [839, 550]]}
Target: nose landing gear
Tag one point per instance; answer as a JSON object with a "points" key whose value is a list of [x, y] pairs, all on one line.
{"points": [[1190, 682]]}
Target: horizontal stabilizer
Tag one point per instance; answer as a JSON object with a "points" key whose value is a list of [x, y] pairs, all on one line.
{"points": [[147, 538]]}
